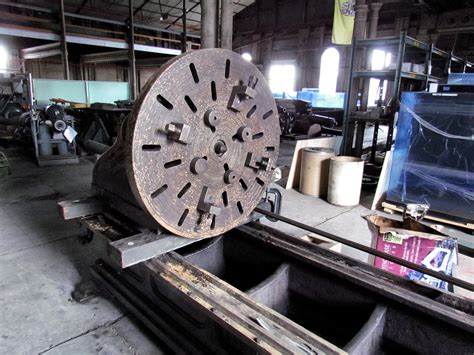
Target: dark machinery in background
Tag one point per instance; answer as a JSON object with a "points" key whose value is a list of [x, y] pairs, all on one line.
{"points": [[100, 124], [298, 120], [55, 140], [14, 108], [175, 203], [49, 127]]}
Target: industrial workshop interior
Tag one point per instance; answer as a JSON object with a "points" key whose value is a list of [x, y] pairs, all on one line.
{"points": [[237, 177]]}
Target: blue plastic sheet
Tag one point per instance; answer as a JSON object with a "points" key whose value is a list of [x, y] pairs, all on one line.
{"points": [[321, 100], [433, 159], [461, 78]]}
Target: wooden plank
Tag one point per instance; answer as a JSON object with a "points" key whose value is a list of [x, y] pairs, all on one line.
{"points": [[391, 208], [294, 175], [382, 185]]}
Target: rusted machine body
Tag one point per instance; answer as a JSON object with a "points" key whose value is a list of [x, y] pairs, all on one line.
{"points": [[193, 162], [256, 290]]}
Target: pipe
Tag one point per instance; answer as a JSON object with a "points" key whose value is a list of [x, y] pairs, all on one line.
{"points": [[15, 120], [439, 275], [208, 23], [63, 40], [131, 54], [227, 14], [34, 120], [217, 26], [184, 39], [95, 147]]}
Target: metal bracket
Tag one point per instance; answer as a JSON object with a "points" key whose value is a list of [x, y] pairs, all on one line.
{"points": [[263, 163], [144, 246], [239, 94], [415, 211], [125, 250], [80, 208]]}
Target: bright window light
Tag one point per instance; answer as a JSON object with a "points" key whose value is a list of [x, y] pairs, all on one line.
{"points": [[329, 71], [388, 59], [374, 91], [380, 61], [3, 59], [247, 56], [282, 78]]}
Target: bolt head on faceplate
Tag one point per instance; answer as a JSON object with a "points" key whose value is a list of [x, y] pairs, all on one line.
{"points": [[178, 132], [244, 134], [198, 165], [230, 177], [211, 118]]}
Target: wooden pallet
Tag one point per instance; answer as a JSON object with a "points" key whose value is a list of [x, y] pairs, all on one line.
{"points": [[391, 208]]}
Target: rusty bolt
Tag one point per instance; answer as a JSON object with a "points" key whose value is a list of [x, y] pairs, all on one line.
{"points": [[220, 148], [211, 119], [178, 132], [198, 165], [264, 164], [244, 134], [230, 177]]}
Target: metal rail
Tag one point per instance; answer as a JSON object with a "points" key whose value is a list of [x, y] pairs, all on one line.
{"points": [[452, 280]]}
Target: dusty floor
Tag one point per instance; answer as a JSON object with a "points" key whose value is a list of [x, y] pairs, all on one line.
{"points": [[41, 261]]}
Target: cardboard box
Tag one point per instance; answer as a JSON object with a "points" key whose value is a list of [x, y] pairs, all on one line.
{"points": [[414, 242], [406, 66], [418, 68]]}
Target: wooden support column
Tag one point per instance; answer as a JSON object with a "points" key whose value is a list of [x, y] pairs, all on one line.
{"points": [[184, 34], [254, 52], [64, 54], [227, 14], [208, 23], [132, 77], [301, 57]]}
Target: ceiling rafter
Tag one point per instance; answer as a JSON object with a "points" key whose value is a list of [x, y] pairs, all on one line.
{"points": [[147, 11]]}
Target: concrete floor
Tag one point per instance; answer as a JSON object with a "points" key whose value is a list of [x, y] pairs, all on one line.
{"points": [[41, 261]]}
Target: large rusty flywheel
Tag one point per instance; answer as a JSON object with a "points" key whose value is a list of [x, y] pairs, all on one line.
{"points": [[202, 142]]}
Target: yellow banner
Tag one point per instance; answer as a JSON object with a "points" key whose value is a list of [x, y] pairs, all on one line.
{"points": [[343, 23]]}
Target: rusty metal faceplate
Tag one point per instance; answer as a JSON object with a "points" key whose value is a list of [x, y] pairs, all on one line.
{"points": [[201, 143]]}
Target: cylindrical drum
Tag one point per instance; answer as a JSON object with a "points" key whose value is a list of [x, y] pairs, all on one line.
{"points": [[315, 171], [63, 148], [45, 134], [345, 180]]}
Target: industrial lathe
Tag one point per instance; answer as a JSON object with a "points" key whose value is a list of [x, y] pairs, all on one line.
{"points": [[177, 204]]}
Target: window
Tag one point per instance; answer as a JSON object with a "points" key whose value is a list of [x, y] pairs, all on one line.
{"points": [[329, 71], [380, 60], [3, 59], [282, 78], [247, 56]]}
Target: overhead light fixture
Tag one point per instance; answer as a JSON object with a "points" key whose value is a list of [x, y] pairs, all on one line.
{"points": [[247, 56], [164, 16]]}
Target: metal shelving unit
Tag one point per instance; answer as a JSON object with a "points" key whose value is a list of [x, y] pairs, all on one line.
{"points": [[359, 72]]}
